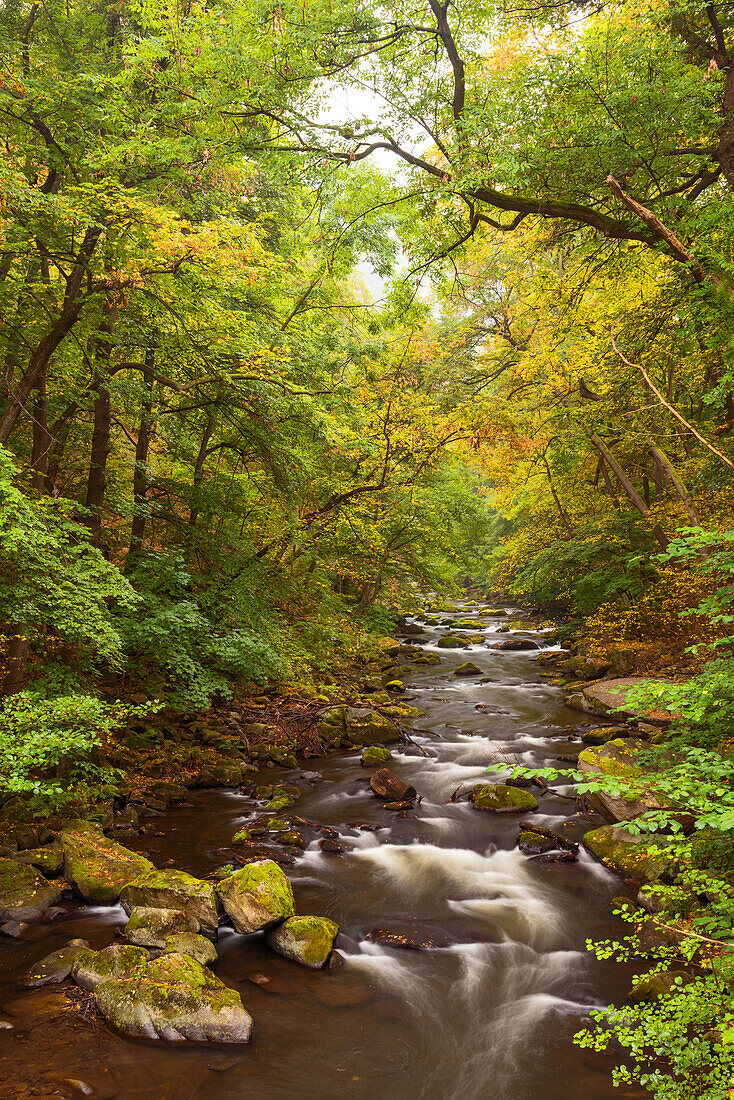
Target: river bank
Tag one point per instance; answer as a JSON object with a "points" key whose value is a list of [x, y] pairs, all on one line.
{"points": [[459, 954]]}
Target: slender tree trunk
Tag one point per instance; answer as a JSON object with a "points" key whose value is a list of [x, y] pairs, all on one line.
{"points": [[140, 473], [663, 464], [199, 468], [97, 480], [41, 436], [58, 435], [632, 495], [17, 674]]}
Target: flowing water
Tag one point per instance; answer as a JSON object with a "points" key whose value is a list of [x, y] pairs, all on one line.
{"points": [[487, 1012]]}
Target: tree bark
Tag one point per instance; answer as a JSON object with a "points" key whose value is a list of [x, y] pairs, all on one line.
{"points": [[199, 468], [140, 473], [632, 495], [97, 479], [41, 436], [663, 464], [17, 674]]}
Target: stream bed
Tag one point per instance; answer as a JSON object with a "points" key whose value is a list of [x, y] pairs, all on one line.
{"points": [[487, 1011]]}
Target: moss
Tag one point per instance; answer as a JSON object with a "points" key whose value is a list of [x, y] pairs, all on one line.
{"points": [[98, 868], [501, 799], [373, 755], [257, 896], [468, 669], [306, 940], [534, 843], [625, 853], [174, 890], [24, 892], [92, 968], [188, 943]]}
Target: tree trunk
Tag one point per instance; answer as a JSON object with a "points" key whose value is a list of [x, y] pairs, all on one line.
{"points": [[17, 674], [140, 473], [41, 437], [58, 435], [97, 480], [632, 495], [199, 468], [663, 464]]}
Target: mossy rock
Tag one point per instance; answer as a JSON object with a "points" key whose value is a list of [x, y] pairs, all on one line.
{"points": [[48, 860], [174, 998], [91, 968], [452, 641], [373, 755], [283, 757], [174, 890], [625, 853], [605, 734], [242, 836], [365, 726], [533, 844], [468, 669], [98, 868], [52, 969], [651, 987], [24, 892], [616, 759], [305, 940], [623, 904], [148, 927], [426, 659], [498, 798], [257, 896], [188, 943], [396, 686]]}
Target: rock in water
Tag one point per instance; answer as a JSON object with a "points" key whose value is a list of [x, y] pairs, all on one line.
{"points": [[516, 644], [55, 967], [374, 754], [625, 853], [385, 784], [174, 890], [533, 844], [174, 998], [91, 968], [498, 798], [258, 896], [306, 940], [24, 893], [151, 927], [468, 669], [98, 868], [187, 943]]}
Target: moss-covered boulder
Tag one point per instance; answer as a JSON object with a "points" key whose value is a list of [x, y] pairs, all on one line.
{"points": [[305, 940], [55, 967], [604, 734], [257, 896], [174, 890], [148, 927], [98, 868], [618, 760], [188, 943], [498, 798], [452, 641], [48, 860], [361, 725], [653, 986], [374, 755], [24, 893], [91, 968], [533, 844], [468, 669], [174, 998], [625, 853]]}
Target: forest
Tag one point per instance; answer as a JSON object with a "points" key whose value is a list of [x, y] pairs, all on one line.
{"points": [[320, 320]]}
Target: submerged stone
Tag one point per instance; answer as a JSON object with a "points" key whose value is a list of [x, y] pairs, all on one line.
{"points": [[499, 798], [468, 669], [305, 940], [55, 967], [258, 896]]}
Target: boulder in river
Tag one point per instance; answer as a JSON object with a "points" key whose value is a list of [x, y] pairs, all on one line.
{"points": [[55, 967], [385, 784], [48, 860], [625, 853], [174, 998], [533, 844], [516, 644], [362, 725], [651, 987], [147, 927], [98, 868], [174, 890], [468, 669], [453, 641], [374, 754], [305, 940], [611, 696], [188, 943], [257, 896], [91, 968], [616, 759], [499, 798], [24, 893]]}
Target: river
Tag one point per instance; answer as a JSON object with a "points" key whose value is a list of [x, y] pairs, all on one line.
{"points": [[487, 1013]]}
